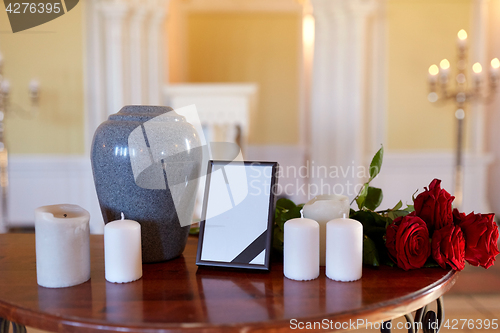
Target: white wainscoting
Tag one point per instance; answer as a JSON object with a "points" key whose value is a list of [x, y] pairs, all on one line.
{"points": [[38, 180], [403, 173]]}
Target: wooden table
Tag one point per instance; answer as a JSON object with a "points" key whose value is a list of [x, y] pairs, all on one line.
{"points": [[176, 295]]}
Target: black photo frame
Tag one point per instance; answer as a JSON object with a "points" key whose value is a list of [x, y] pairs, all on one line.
{"points": [[238, 211]]}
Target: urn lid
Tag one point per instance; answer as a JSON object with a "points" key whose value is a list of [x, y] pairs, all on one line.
{"points": [[143, 113]]}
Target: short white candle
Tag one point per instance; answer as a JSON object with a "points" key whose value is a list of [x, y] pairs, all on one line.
{"points": [[301, 249], [62, 245], [344, 250], [322, 209], [122, 251]]}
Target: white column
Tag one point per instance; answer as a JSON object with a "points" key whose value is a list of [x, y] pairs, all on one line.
{"points": [[321, 102], [341, 142], [114, 14], [137, 51], [377, 104], [95, 92], [156, 58], [339, 92], [479, 54], [356, 76]]}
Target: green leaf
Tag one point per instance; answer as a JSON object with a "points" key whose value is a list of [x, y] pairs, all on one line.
{"points": [[370, 253], [373, 198], [397, 213], [388, 262], [413, 195], [398, 205], [360, 200], [374, 227], [285, 210], [376, 163], [431, 263], [285, 203], [277, 240], [410, 208]]}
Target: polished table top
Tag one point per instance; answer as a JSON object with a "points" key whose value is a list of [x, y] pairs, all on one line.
{"points": [[176, 295]]}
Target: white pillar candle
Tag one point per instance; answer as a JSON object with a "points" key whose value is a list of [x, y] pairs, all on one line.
{"points": [[301, 249], [322, 209], [122, 251], [344, 250], [62, 245]]}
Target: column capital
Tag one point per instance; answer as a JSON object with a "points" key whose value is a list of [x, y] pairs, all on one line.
{"points": [[325, 9], [336, 8], [158, 8], [114, 9], [362, 7], [139, 11]]}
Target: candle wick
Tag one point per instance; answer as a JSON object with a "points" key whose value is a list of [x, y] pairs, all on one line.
{"points": [[65, 215], [302, 213], [123, 216]]}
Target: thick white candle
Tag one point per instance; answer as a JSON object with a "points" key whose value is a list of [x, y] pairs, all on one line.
{"points": [[301, 249], [322, 209], [62, 245], [344, 250], [122, 251]]}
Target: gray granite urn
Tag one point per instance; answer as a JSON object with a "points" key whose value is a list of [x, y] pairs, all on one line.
{"points": [[146, 162]]}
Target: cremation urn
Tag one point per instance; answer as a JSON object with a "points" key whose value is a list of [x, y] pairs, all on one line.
{"points": [[146, 162]]}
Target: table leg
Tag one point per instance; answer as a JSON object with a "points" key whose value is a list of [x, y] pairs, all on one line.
{"points": [[4, 327], [429, 321], [387, 325]]}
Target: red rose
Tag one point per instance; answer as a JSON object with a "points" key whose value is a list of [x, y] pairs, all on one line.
{"points": [[448, 247], [434, 206], [407, 240], [481, 238], [458, 217]]}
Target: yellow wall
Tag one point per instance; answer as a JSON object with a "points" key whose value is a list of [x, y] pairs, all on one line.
{"points": [[421, 33], [252, 47], [53, 54], [234, 47]]}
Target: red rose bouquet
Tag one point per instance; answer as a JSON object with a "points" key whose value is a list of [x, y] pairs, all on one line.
{"points": [[428, 233]]}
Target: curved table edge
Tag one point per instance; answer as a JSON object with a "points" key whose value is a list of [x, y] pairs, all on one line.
{"points": [[381, 312]]}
